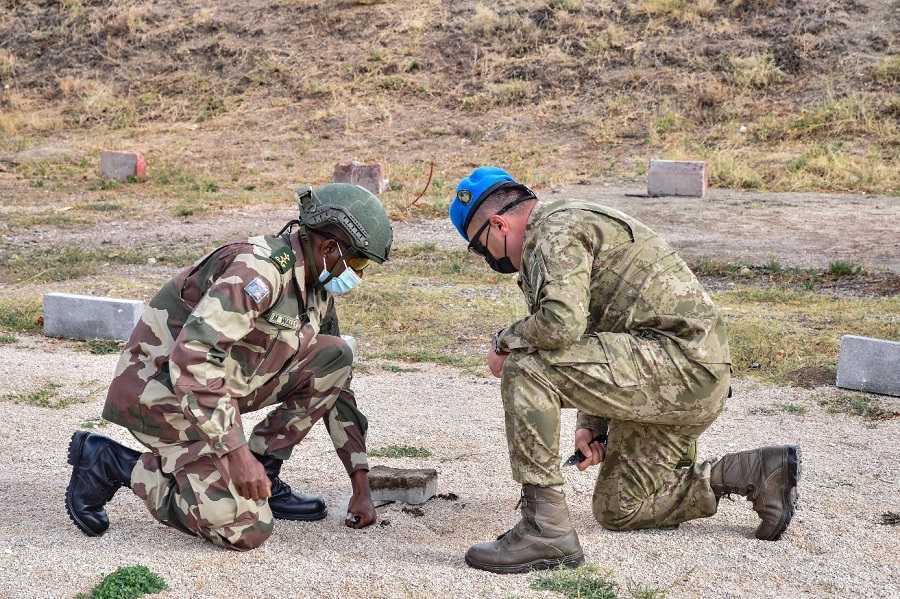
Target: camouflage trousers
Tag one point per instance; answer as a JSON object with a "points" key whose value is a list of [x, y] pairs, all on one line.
{"points": [[185, 485], [657, 404]]}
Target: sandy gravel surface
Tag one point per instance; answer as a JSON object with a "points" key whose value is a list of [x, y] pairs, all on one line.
{"points": [[836, 546]]}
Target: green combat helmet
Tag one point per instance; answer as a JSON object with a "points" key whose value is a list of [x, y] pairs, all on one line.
{"points": [[353, 209]]}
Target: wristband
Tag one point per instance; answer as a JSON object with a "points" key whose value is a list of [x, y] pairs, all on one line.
{"points": [[497, 350]]}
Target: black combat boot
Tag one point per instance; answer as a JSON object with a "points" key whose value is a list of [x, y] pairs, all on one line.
{"points": [[100, 466], [768, 477], [286, 504]]}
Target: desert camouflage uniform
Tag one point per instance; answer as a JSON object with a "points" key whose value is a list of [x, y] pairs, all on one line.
{"points": [[237, 331], [621, 330]]}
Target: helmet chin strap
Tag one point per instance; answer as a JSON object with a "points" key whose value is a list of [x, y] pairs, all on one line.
{"points": [[308, 254]]}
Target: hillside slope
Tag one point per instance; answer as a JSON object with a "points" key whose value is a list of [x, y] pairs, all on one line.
{"points": [[789, 95]]}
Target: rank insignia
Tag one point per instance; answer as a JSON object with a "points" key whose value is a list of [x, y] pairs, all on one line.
{"points": [[284, 259]]}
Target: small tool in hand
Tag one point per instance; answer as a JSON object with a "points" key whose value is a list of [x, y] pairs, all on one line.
{"points": [[578, 457]]}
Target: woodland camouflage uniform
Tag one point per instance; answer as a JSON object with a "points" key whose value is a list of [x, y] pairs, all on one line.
{"points": [[648, 354], [237, 331]]}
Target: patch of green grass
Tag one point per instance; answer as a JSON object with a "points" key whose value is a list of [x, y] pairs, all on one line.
{"points": [[393, 368], [783, 408], [887, 70], [65, 262], [101, 206], [782, 330], [19, 220], [22, 315], [92, 424], [789, 407], [104, 185], [591, 582], [890, 518], [102, 346], [865, 405], [585, 582], [127, 582], [841, 268], [400, 451], [45, 397], [7, 339]]}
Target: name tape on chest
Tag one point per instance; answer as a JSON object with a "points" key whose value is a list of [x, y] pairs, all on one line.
{"points": [[283, 320]]}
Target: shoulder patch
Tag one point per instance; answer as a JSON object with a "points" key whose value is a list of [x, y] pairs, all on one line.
{"points": [[283, 258], [257, 289]]}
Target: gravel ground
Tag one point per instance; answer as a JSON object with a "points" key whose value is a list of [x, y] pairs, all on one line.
{"points": [[835, 547]]}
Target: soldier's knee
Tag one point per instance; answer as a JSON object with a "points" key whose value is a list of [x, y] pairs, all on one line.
{"points": [[336, 354], [613, 514], [249, 538]]}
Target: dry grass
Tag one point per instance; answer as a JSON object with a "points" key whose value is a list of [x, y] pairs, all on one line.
{"points": [[540, 86]]}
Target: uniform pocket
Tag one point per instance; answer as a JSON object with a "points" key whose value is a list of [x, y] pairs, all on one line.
{"points": [[619, 349], [606, 357]]}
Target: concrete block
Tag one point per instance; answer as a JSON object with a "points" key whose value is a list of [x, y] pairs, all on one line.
{"points": [[86, 317], [676, 178], [121, 165], [413, 486], [871, 365], [370, 176]]}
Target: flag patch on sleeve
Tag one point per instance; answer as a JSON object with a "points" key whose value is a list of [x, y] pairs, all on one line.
{"points": [[257, 289]]}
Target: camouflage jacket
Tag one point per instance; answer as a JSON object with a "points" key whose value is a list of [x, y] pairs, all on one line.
{"points": [[217, 331], [591, 269]]}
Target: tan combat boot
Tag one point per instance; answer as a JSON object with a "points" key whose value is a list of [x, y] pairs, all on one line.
{"points": [[544, 538], [768, 477]]}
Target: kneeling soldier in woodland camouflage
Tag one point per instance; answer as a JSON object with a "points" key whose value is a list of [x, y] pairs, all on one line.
{"points": [[620, 329], [249, 326]]}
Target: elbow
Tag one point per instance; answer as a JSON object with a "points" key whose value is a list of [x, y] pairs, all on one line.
{"points": [[562, 332]]}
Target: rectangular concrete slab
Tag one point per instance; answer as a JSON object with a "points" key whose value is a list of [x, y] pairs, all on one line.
{"points": [[677, 178], [86, 317], [868, 364], [413, 486], [370, 176], [122, 165]]}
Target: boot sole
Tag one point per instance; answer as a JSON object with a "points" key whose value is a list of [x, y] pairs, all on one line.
{"points": [[76, 445], [790, 498], [569, 561], [298, 518]]}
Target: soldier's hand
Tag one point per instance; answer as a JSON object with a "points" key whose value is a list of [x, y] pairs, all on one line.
{"points": [[248, 475], [361, 510], [495, 362], [594, 451]]}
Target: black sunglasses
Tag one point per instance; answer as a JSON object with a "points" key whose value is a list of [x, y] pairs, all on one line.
{"points": [[475, 246]]}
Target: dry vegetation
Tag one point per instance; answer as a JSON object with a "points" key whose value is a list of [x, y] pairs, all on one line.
{"points": [[798, 95]]}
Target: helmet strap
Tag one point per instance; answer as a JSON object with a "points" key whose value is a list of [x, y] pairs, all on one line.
{"points": [[288, 227], [310, 257]]}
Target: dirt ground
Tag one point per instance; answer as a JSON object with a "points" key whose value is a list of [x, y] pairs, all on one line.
{"points": [[835, 547], [803, 230]]}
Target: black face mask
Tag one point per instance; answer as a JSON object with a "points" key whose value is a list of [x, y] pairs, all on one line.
{"points": [[504, 265]]}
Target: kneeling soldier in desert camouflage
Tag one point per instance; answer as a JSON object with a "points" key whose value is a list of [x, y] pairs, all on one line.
{"points": [[620, 329], [249, 326]]}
